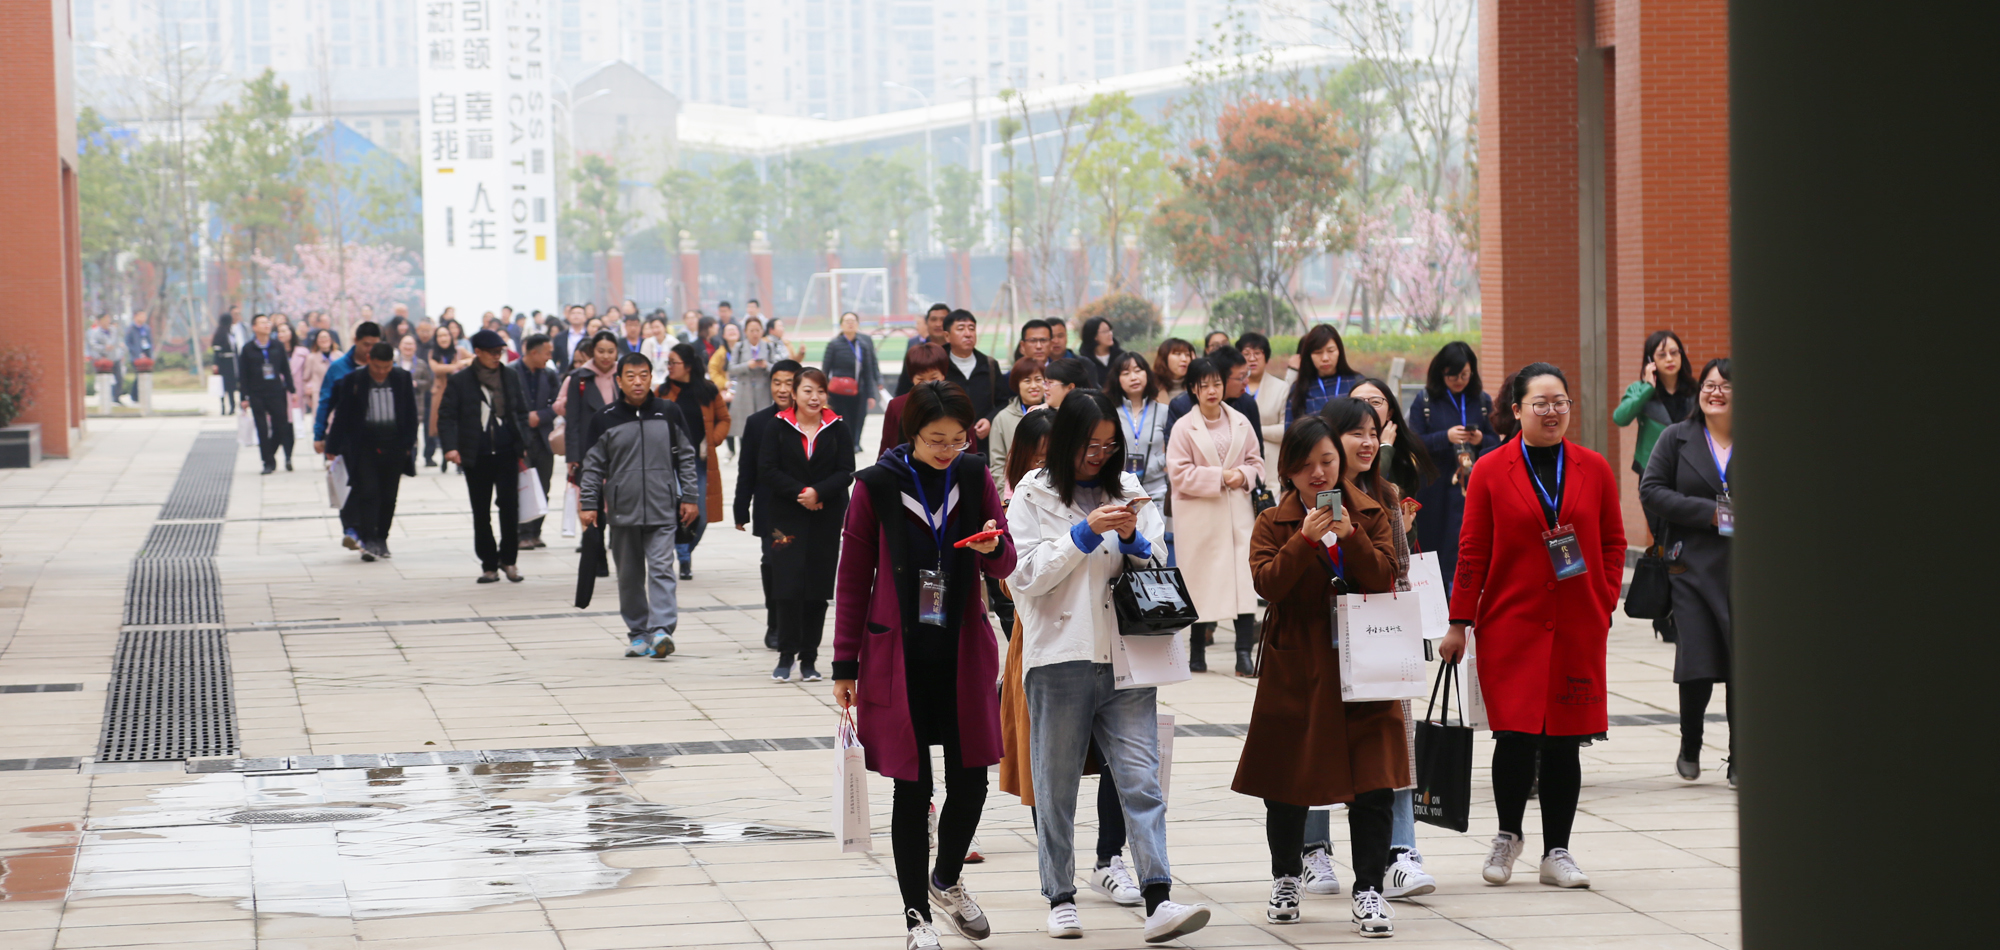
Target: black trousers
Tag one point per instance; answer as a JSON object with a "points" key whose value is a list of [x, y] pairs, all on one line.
{"points": [[274, 424], [546, 468], [909, 825], [490, 479], [373, 478], [771, 611], [1368, 821], [1514, 776], [1694, 716], [800, 625]]}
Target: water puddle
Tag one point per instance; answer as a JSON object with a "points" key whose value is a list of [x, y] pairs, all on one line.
{"points": [[375, 842]]}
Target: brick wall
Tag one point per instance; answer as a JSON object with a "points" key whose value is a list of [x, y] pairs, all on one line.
{"points": [[38, 240]]}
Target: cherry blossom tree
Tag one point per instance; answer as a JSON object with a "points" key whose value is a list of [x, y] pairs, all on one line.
{"points": [[1414, 259], [340, 280]]}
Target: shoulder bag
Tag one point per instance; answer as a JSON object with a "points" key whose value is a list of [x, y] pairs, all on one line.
{"points": [[1260, 498], [1152, 601], [846, 385]]}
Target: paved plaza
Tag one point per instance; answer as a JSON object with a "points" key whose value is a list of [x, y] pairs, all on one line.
{"points": [[429, 763]]}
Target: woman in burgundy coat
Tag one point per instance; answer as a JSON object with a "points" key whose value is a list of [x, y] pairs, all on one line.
{"points": [[1540, 558], [922, 662]]}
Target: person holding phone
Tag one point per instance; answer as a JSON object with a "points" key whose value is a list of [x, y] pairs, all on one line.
{"points": [[1306, 746], [1212, 463], [1451, 418], [1539, 569], [1662, 396], [1686, 488], [911, 642], [1076, 526]]}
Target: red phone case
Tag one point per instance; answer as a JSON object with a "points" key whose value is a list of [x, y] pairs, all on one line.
{"points": [[981, 536]]}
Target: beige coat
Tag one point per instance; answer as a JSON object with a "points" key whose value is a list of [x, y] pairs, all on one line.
{"points": [[1212, 523], [1271, 393]]}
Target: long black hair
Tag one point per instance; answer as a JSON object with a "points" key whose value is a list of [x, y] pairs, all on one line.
{"points": [[936, 400], [1301, 437], [1082, 411], [1344, 414], [698, 387], [1089, 338], [1685, 381], [1314, 341], [1117, 369], [1030, 433], [1454, 356], [1720, 365], [1410, 465]]}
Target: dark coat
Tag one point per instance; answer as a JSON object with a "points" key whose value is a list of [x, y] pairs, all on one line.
{"points": [[1318, 390], [458, 413], [876, 602], [856, 360], [983, 387], [1541, 641], [1443, 502], [347, 431], [566, 343], [250, 369], [1680, 487], [584, 403], [805, 545], [538, 390], [753, 498], [1305, 746]]}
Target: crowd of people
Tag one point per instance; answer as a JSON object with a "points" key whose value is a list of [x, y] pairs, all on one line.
{"points": [[1021, 488]]}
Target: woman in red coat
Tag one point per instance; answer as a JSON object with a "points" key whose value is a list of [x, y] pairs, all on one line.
{"points": [[1540, 558]]}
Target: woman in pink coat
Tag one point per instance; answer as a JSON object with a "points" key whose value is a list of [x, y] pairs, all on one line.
{"points": [[1213, 460]]}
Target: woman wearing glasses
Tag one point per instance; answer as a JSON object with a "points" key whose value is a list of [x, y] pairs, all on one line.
{"points": [[1539, 565], [911, 643], [1686, 490], [1077, 523]]}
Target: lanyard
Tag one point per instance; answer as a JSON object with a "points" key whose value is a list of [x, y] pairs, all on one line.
{"points": [[1322, 385], [1721, 459], [1335, 562], [1554, 501], [938, 527], [1458, 399], [1145, 415]]}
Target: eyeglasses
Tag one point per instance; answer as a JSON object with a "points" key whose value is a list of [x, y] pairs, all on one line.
{"points": [[1559, 407], [1379, 402], [1098, 450], [936, 446], [1723, 388]]}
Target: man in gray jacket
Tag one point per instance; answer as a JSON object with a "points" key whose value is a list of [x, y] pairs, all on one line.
{"points": [[638, 480]]}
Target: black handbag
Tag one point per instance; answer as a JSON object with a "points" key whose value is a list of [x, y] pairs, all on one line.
{"points": [[1260, 498], [1152, 601], [1650, 597], [1443, 795]]}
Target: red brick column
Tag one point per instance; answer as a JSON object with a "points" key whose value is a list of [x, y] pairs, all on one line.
{"points": [[760, 268], [690, 272]]}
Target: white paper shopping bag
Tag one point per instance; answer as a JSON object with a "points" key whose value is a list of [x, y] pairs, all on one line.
{"points": [[1138, 662], [1427, 582], [336, 483], [1474, 700], [850, 789], [533, 500], [246, 428], [572, 503], [1166, 753], [1381, 647]]}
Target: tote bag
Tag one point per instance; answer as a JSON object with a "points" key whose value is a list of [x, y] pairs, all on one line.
{"points": [[850, 788], [1138, 662], [246, 428], [1152, 602], [533, 500], [1381, 644], [336, 483], [1427, 582], [1443, 795]]}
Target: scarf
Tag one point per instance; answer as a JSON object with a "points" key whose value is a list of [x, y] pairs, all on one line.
{"points": [[489, 380]]}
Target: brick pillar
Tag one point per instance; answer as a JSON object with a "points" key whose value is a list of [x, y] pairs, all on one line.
{"points": [[614, 275], [760, 268], [898, 302], [959, 285], [1079, 268], [690, 272], [832, 258]]}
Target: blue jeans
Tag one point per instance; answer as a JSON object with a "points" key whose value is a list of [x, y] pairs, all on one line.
{"points": [[1402, 825], [1068, 705]]}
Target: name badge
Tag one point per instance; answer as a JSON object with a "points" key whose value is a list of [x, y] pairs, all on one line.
{"points": [[931, 597], [1564, 553], [1135, 463], [1725, 516], [269, 373]]}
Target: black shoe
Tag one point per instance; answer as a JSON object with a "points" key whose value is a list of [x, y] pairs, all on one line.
{"points": [[288, 463], [1197, 662], [686, 574], [490, 577], [430, 463], [270, 467], [1689, 769], [367, 553], [1244, 665]]}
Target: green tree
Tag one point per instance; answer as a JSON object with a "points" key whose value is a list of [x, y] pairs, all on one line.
{"points": [[882, 195], [960, 222], [807, 202], [597, 218], [1262, 197], [254, 173], [1121, 174], [740, 197], [111, 201]]}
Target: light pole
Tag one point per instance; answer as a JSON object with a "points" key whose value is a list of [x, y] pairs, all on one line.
{"points": [[930, 190]]}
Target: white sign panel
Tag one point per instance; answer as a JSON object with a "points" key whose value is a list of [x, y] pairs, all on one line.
{"points": [[488, 157]]}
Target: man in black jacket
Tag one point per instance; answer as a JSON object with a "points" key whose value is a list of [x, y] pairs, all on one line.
{"points": [[374, 430], [975, 372], [264, 377], [482, 424], [539, 384], [783, 374]]}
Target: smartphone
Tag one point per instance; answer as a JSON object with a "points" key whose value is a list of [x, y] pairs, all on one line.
{"points": [[978, 538], [1331, 499], [1138, 503]]}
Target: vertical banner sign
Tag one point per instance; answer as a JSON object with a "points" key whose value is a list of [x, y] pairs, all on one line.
{"points": [[488, 164]]}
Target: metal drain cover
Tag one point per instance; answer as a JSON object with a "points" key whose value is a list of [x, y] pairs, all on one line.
{"points": [[300, 816]]}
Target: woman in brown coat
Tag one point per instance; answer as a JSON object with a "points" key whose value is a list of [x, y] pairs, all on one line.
{"points": [[1305, 746], [707, 421]]}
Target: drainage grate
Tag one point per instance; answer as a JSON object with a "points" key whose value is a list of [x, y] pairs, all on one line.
{"points": [[301, 816], [202, 490], [180, 591], [170, 698], [181, 540]]}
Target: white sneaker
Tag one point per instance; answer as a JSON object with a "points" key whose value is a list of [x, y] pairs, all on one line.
{"points": [[1406, 877], [964, 912], [1559, 869], [1499, 867], [1170, 920], [1284, 905], [1114, 881], [923, 936], [1064, 924], [1320, 877], [1372, 915]]}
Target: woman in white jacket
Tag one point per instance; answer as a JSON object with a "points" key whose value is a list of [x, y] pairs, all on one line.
{"points": [[1077, 522]]}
